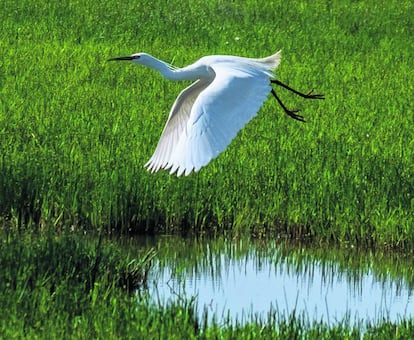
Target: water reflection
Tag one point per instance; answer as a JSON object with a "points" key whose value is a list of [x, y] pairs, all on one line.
{"points": [[238, 279]]}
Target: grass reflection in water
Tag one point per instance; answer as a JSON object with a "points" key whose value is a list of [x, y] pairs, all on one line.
{"points": [[244, 278]]}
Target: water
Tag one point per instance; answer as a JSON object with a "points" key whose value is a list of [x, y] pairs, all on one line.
{"points": [[241, 279]]}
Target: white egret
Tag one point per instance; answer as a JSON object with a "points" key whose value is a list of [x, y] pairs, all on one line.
{"points": [[227, 93]]}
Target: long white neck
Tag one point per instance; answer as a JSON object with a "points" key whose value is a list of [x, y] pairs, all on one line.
{"points": [[187, 73]]}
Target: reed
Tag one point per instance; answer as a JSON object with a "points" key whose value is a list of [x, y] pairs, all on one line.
{"points": [[75, 131], [68, 287]]}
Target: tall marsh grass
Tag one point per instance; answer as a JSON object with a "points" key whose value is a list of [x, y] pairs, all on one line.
{"points": [[53, 284], [75, 131], [71, 286]]}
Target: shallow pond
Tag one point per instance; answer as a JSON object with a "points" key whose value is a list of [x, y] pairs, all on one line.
{"points": [[241, 279]]}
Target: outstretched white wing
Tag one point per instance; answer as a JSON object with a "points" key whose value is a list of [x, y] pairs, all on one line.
{"points": [[219, 112], [175, 125], [207, 116]]}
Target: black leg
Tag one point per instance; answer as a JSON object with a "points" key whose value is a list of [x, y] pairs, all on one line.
{"points": [[310, 95], [290, 113]]}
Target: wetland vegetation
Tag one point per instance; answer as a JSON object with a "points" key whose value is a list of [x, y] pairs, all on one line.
{"points": [[75, 132]]}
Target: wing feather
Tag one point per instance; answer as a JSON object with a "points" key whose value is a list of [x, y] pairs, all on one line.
{"points": [[221, 109], [175, 125]]}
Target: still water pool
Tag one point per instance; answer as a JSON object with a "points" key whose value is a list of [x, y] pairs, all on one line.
{"points": [[241, 279]]}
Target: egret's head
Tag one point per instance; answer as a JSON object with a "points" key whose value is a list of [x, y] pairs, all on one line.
{"points": [[145, 59], [138, 58]]}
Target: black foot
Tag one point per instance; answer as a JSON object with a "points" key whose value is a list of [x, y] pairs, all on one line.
{"points": [[310, 95], [290, 113]]}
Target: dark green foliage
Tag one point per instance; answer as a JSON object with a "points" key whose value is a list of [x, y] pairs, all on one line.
{"points": [[43, 276], [75, 131], [46, 290]]}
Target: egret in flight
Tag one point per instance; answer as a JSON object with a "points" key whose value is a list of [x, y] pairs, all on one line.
{"points": [[226, 94]]}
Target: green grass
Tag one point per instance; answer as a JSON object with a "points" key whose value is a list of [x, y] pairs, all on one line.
{"points": [[75, 130], [190, 258], [57, 284], [47, 291]]}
